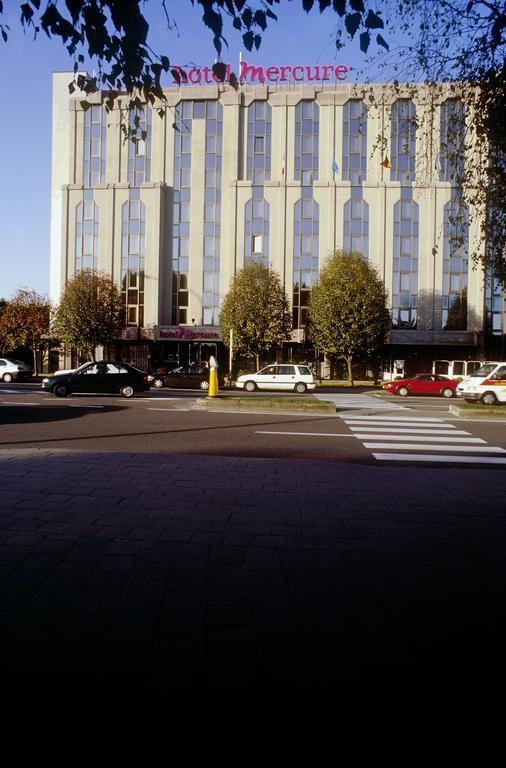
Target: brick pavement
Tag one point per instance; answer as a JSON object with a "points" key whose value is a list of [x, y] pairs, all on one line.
{"points": [[222, 587]]}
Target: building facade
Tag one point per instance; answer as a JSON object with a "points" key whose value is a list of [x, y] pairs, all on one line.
{"points": [[283, 174]]}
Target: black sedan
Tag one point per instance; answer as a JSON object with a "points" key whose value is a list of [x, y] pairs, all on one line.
{"points": [[186, 376], [93, 378]]}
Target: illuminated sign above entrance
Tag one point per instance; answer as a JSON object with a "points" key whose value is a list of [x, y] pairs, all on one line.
{"points": [[251, 73]]}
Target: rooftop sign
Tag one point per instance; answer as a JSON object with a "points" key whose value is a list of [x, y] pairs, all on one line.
{"points": [[250, 73]]}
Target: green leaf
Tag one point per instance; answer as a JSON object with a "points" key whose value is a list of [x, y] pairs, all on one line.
{"points": [[352, 23]]}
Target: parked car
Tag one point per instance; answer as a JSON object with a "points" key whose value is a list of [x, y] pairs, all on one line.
{"points": [[487, 384], [423, 384], [186, 376], [278, 376], [14, 370], [93, 378]]}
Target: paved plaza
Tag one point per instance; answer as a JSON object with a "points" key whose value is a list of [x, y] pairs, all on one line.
{"points": [[224, 587]]}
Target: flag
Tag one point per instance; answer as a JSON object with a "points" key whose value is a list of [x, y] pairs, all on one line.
{"points": [[335, 167], [386, 163]]}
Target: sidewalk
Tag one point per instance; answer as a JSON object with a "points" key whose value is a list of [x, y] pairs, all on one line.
{"points": [[223, 587]]}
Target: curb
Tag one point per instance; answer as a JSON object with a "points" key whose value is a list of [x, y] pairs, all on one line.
{"points": [[254, 404], [477, 413]]}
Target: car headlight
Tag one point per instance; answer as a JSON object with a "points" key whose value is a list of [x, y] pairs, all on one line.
{"points": [[44, 381]]}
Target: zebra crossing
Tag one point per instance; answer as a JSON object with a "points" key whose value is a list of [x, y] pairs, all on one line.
{"points": [[408, 438]]}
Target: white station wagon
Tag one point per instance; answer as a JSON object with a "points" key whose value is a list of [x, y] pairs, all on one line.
{"points": [[297, 378]]}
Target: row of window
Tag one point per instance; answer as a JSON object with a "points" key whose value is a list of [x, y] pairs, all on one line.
{"points": [[305, 253], [306, 160]]}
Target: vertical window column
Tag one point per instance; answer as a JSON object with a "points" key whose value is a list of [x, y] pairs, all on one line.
{"points": [[181, 212], [94, 146], [405, 265], [403, 142], [305, 255], [212, 213], [133, 230], [139, 147], [307, 129], [356, 210], [455, 264], [257, 210], [452, 140], [87, 229]]}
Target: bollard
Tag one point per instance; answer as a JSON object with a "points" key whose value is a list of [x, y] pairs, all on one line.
{"points": [[213, 378]]}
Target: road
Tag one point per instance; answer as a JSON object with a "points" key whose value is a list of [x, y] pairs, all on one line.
{"points": [[366, 428], [158, 559]]}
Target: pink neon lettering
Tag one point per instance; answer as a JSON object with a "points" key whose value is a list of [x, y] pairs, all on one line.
{"points": [[283, 70], [325, 69], [272, 73], [341, 72], [317, 73], [295, 77], [252, 72], [194, 75]]}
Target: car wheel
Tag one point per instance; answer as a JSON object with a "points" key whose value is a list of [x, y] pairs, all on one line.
{"points": [[204, 385], [7, 377], [158, 383], [250, 386], [447, 392], [488, 398], [403, 391], [61, 390], [300, 387], [127, 391]]}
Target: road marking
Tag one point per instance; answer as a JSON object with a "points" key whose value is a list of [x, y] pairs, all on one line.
{"points": [[13, 402], [72, 405], [438, 458], [160, 409], [428, 439], [305, 434], [390, 419], [420, 447], [413, 431]]}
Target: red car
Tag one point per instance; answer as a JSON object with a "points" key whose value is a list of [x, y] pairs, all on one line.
{"points": [[423, 384]]}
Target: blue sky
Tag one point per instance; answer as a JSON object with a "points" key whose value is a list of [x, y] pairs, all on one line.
{"points": [[25, 84]]}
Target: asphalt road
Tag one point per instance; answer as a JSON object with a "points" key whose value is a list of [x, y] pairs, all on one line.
{"points": [[366, 428]]}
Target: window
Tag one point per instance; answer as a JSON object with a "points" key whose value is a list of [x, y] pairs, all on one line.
{"points": [[139, 147], [87, 233], [455, 265], [94, 146], [256, 228], [405, 263], [307, 128], [213, 114], [354, 141], [305, 255], [133, 226], [452, 140], [356, 224], [259, 142], [403, 141]]}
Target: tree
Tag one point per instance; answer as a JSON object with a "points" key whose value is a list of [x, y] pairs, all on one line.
{"points": [[90, 312], [462, 43], [25, 321], [256, 309], [114, 35], [348, 308]]}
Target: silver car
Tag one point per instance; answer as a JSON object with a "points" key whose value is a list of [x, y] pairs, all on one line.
{"points": [[14, 370], [296, 378]]}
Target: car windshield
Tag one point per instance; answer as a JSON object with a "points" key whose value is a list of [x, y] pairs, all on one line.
{"points": [[484, 370]]}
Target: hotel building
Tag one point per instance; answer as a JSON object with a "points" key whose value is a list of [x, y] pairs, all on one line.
{"points": [[283, 173]]}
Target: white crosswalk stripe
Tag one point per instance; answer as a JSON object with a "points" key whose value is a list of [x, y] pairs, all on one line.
{"points": [[421, 435]]}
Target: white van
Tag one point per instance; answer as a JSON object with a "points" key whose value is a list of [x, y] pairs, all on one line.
{"points": [[487, 384]]}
